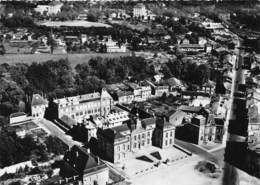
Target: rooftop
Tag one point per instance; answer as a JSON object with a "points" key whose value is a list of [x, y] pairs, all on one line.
{"points": [[17, 114], [74, 100], [191, 109], [81, 160], [38, 100]]}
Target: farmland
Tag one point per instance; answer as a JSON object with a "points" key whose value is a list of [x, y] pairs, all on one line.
{"points": [[74, 59]]}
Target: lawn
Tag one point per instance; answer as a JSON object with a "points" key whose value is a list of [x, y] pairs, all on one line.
{"points": [[73, 58]]}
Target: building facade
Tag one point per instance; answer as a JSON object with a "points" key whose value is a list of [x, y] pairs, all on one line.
{"points": [[38, 106], [83, 106], [118, 143], [164, 134], [140, 11]]}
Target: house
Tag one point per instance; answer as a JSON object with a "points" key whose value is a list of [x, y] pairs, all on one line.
{"points": [[175, 84], [114, 47], [140, 11], [38, 106], [79, 163], [116, 117], [196, 131], [199, 126], [209, 87], [157, 90], [122, 97], [121, 93], [141, 93]]}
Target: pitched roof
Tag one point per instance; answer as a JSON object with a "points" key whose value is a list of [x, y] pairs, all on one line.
{"points": [[38, 100], [149, 121], [190, 109], [82, 161], [114, 133]]}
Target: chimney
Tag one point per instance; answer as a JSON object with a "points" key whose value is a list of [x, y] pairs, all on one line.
{"points": [[164, 119], [88, 150], [98, 161]]}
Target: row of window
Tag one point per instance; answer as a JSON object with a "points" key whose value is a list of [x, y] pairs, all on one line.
{"points": [[138, 145], [124, 147], [168, 134], [168, 142], [119, 156], [139, 136]]}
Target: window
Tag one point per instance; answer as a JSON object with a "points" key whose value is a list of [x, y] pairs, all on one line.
{"points": [[139, 136], [170, 141], [135, 138], [118, 148], [123, 146], [128, 147], [166, 142], [171, 133], [118, 156], [167, 135], [134, 145], [148, 134], [123, 155], [143, 135], [148, 141], [143, 143]]}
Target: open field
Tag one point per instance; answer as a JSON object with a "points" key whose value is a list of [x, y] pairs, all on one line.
{"points": [[74, 59], [84, 24]]}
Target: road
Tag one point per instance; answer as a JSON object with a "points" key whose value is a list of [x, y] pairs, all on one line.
{"points": [[54, 130]]}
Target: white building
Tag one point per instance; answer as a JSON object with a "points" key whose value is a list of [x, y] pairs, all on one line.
{"points": [[140, 11], [83, 106], [17, 117], [38, 106], [114, 47], [51, 9], [117, 117]]}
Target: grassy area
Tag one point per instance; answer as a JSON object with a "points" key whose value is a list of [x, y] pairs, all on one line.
{"points": [[74, 59]]}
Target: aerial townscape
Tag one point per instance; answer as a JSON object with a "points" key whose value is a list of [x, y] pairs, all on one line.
{"points": [[110, 92]]}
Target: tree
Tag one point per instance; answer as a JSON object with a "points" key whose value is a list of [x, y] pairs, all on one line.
{"points": [[166, 72], [55, 145], [2, 49], [92, 18]]}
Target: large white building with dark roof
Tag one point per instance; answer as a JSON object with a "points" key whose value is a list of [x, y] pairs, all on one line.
{"points": [[116, 143], [81, 107]]}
